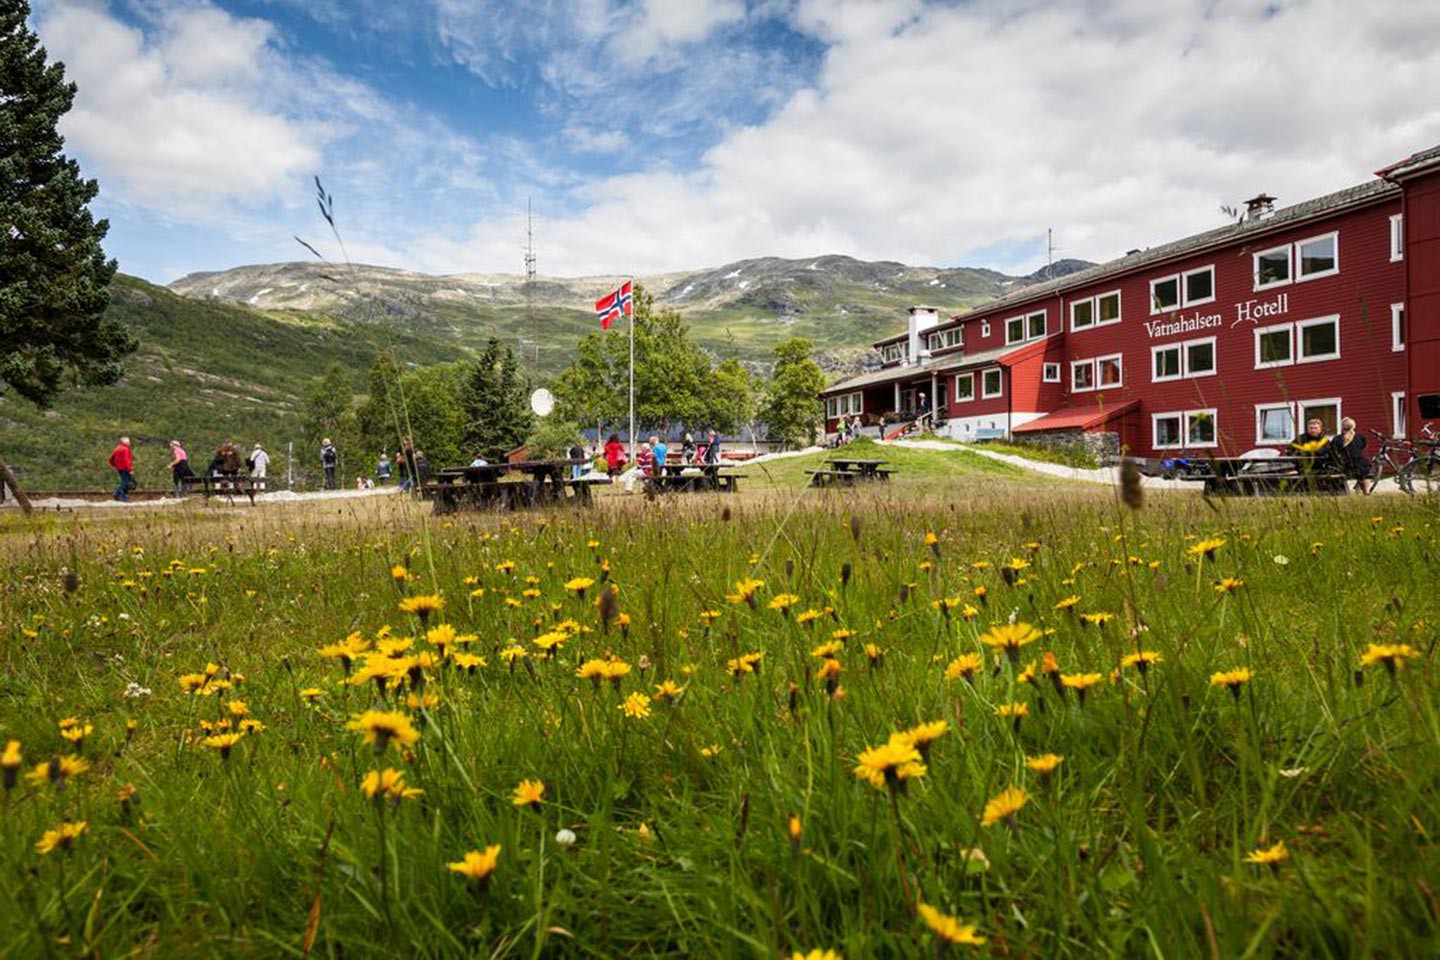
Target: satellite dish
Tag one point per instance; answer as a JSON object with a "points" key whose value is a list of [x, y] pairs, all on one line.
{"points": [[542, 401]]}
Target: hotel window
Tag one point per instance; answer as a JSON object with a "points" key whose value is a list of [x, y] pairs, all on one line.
{"points": [[1275, 423], [1200, 428], [1095, 311], [984, 328], [1272, 267], [843, 405], [1165, 363], [1109, 371], [1397, 326], [1188, 289], [1022, 329], [1397, 238], [1050, 373], [990, 383], [1165, 430], [1082, 375], [1318, 256], [946, 339], [1199, 286], [1164, 294], [1200, 357], [1397, 414], [964, 387], [1326, 411], [1193, 358], [1318, 339], [1274, 346]]}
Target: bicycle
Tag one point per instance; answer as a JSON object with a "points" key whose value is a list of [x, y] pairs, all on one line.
{"points": [[1390, 460], [1426, 465]]}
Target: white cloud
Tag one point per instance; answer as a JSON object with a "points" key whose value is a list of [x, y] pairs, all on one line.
{"points": [[936, 132], [174, 122]]}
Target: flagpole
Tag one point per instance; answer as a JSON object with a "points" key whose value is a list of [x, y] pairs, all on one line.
{"points": [[632, 378]]}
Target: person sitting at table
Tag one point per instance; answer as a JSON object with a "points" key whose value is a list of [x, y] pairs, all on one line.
{"points": [[576, 455], [662, 452], [614, 456], [1349, 449], [712, 448], [1310, 443], [687, 448], [645, 460]]}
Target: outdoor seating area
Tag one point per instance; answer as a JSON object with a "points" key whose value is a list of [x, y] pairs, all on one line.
{"points": [[847, 471], [532, 483], [695, 478], [1268, 476], [223, 485]]}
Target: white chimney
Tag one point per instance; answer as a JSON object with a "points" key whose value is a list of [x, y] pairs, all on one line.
{"points": [[921, 319]]}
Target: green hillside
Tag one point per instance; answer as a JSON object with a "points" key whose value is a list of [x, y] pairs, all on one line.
{"points": [[205, 371]]}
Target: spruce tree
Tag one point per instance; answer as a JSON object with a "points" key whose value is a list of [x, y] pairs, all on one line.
{"points": [[54, 276], [495, 398]]}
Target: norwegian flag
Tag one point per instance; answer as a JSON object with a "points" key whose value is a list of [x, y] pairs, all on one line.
{"points": [[614, 304]]}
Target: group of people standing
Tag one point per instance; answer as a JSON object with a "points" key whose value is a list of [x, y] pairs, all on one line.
{"points": [[653, 454], [226, 462]]}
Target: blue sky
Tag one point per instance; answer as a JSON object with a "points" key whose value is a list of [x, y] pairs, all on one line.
{"points": [[672, 134]]}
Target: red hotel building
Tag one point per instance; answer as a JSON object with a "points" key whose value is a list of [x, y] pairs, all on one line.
{"points": [[1225, 341]]}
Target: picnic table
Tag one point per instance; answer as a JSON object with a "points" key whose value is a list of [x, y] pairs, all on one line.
{"points": [[223, 485], [848, 471], [541, 483], [1268, 476], [683, 477]]}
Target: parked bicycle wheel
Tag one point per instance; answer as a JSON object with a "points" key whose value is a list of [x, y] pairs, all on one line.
{"points": [[1424, 471]]}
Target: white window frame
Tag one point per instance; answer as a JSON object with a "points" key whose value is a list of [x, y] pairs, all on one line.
{"points": [[984, 328], [1214, 357], [1289, 267], [1298, 262], [1050, 373], [1214, 416], [1179, 362], [985, 394], [1397, 327], [1094, 304], [1260, 410], [1185, 285], [964, 376], [1075, 364], [1398, 415], [1179, 294], [945, 339], [1044, 316], [1119, 359], [1300, 406], [1298, 340], [1024, 320], [1397, 237], [1179, 417], [1289, 329], [895, 352]]}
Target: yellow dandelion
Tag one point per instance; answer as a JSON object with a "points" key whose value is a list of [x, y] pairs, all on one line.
{"points": [[476, 865], [1010, 637], [948, 928], [1269, 856], [382, 728], [1004, 806], [528, 793], [61, 837]]}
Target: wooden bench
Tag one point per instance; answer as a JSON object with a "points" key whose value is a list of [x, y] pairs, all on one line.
{"points": [[822, 478], [223, 486]]}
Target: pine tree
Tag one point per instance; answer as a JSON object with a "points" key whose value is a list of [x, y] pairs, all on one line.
{"points": [[54, 276], [495, 401]]}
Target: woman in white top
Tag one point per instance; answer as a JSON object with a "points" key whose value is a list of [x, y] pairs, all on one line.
{"points": [[259, 460]]}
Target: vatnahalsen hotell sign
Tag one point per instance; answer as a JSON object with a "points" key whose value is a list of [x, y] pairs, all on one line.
{"points": [[1225, 341]]}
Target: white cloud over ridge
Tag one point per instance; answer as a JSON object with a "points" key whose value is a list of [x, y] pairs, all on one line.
{"points": [[932, 133]]}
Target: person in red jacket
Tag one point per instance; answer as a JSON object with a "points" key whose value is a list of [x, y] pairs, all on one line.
{"points": [[614, 456], [124, 465]]}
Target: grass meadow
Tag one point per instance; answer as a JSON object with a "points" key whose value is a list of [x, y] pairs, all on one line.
{"points": [[962, 713]]}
